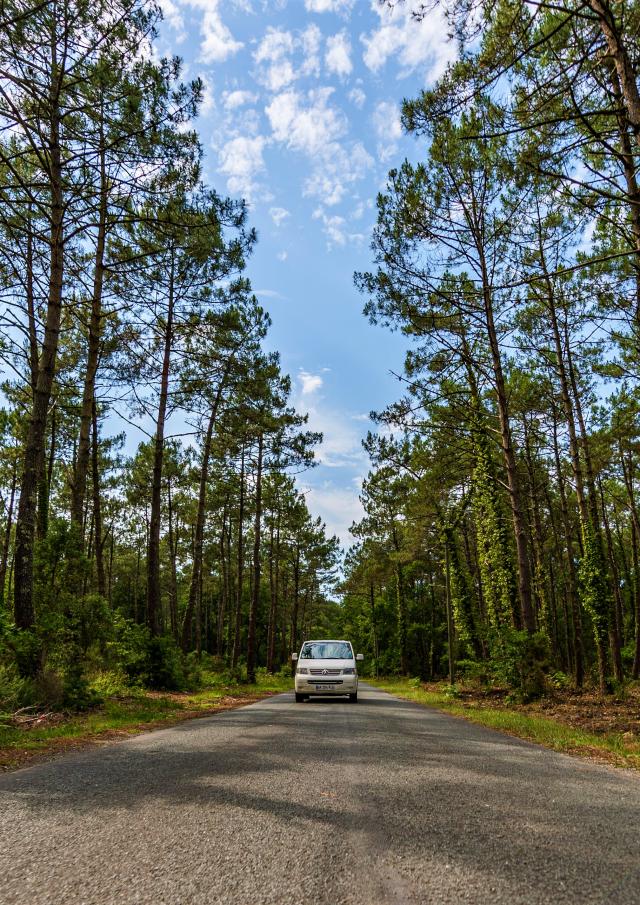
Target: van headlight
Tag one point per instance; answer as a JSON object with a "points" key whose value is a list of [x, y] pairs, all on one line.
{"points": [[349, 671], [302, 671]]}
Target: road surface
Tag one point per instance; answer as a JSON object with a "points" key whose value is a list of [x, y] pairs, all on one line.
{"points": [[325, 803]]}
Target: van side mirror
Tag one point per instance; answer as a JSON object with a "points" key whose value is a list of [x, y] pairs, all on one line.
{"points": [[359, 656], [294, 657]]}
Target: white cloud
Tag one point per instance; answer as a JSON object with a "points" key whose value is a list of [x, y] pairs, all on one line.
{"points": [[415, 44], [338, 54], [272, 56], [217, 41], [208, 97], [278, 215], [386, 119], [386, 122], [306, 128], [341, 445], [338, 507], [311, 40], [310, 383], [357, 97], [241, 162], [328, 6], [340, 168], [172, 14], [336, 228], [310, 125], [282, 255], [234, 99], [267, 294]]}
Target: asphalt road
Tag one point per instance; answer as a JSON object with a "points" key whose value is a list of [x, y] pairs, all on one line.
{"points": [[325, 803]]}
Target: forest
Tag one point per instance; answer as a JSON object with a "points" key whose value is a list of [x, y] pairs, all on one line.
{"points": [[501, 531], [125, 300], [501, 534]]}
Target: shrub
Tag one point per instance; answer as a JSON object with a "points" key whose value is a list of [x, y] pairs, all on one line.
{"points": [[522, 661], [111, 684], [15, 690], [165, 670], [77, 693], [559, 680]]}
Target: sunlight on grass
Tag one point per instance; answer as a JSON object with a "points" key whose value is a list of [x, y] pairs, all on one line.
{"points": [[132, 714]]}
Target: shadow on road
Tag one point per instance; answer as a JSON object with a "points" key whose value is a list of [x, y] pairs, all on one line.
{"points": [[427, 784]]}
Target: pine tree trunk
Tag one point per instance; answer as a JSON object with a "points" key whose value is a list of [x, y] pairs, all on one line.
{"points": [[572, 583], [6, 544], [240, 570], [97, 505], [153, 554], [622, 60], [274, 555], [508, 452], [255, 596], [200, 516], [34, 444], [78, 490]]}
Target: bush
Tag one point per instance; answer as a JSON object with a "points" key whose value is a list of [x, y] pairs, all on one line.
{"points": [[111, 684], [77, 694], [165, 669], [15, 691], [474, 670], [522, 661], [145, 660], [559, 680]]}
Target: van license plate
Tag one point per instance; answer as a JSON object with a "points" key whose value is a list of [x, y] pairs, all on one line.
{"points": [[325, 687]]}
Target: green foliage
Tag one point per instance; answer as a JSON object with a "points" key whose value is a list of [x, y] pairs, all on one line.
{"points": [[559, 680], [113, 683], [77, 692], [155, 662], [521, 661], [128, 648], [164, 664], [16, 691], [596, 591]]}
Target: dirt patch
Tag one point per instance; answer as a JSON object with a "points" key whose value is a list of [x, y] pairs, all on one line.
{"points": [[586, 710], [13, 758]]}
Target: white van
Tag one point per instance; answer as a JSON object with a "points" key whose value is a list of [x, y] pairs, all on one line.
{"points": [[326, 667]]}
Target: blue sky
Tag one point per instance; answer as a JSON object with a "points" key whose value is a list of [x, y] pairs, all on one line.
{"points": [[301, 117]]}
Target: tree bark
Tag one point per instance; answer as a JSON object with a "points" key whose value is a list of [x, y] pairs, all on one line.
{"points": [[255, 596], [78, 490], [97, 505], [201, 513], [153, 554], [6, 544], [34, 445], [238, 614], [622, 60]]}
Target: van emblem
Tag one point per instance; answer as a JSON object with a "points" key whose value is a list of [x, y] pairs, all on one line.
{"points": [[324, 672]]}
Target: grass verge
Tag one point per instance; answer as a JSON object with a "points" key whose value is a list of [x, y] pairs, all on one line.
{"points": [[610, 747], [120, 717]]}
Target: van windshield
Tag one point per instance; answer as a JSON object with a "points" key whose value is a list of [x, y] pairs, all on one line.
{"points": [[326, 650]]}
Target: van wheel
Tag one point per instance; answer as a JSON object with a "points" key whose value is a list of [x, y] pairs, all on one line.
{"points": [[353, 698], [299, 698]]}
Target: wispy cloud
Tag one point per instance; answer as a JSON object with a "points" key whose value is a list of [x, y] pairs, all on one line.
{"points": [[414, 45], [279, 215], [241, 161], [310, 124], [310, 383]]}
